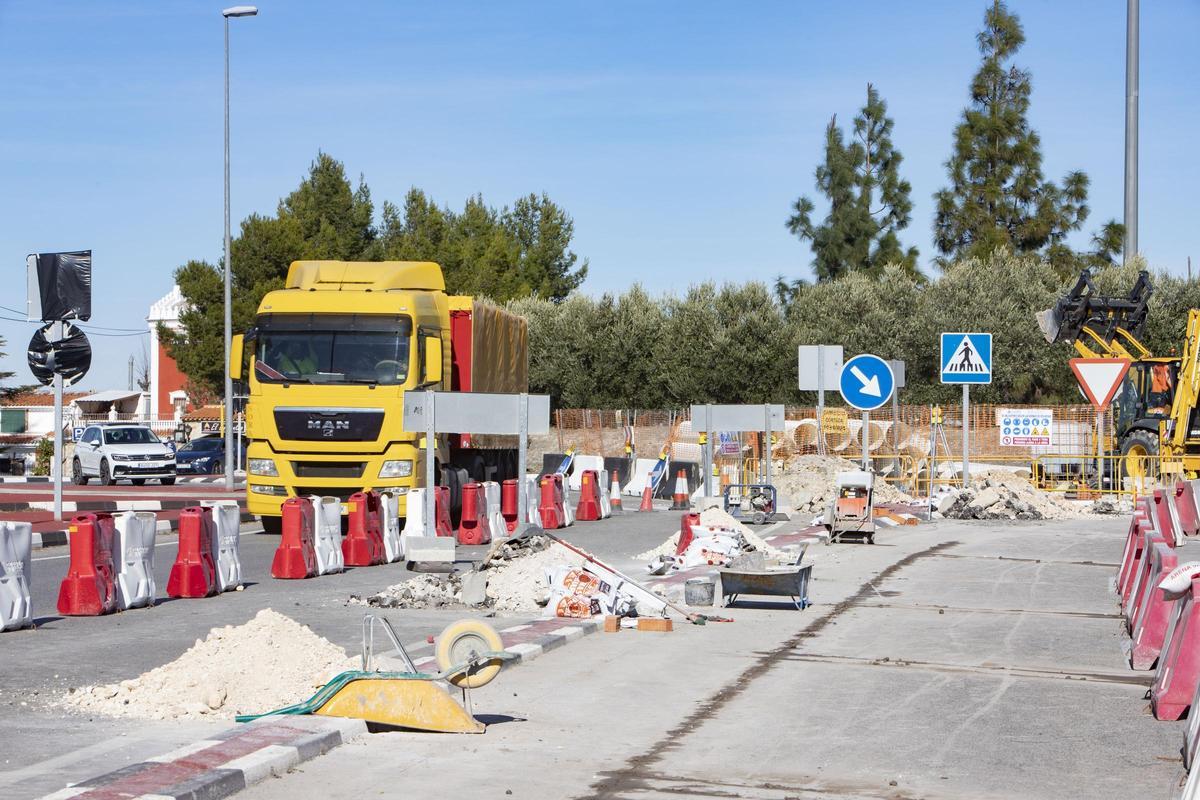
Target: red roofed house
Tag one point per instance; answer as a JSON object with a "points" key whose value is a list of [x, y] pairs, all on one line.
{"points": [[168, 398]]}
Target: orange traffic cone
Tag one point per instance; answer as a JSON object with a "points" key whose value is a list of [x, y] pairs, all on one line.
{"points": [[679, 500], [614, 495], [647, 498]]}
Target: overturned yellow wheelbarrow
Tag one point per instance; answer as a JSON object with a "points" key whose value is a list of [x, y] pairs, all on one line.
{"points": [[469, 654]]}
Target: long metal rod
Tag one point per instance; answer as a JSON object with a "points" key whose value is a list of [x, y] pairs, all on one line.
{"points": [[769, 434], [430, 455], [522, 435], [56, 465], [966, 436], [866, 435], [1131, 129], [228, 290]]}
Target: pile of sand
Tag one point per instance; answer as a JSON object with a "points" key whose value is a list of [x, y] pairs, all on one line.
{"points": [[808, 483], [716, 517], [269, 662], [1003, 495]]}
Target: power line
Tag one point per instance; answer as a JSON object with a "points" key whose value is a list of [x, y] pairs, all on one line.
{"points": [[130, 331]]}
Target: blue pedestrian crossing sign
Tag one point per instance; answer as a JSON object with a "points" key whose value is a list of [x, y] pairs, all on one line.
{"points": [[966, 358], [866, 382]]}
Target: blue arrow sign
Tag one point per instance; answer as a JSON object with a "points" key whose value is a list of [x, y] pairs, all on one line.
{"points": [[966, 358], [866, 382]]}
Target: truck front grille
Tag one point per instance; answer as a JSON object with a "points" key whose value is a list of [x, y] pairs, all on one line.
{"points": [[329, 424], [328, 469], [340, 492]]}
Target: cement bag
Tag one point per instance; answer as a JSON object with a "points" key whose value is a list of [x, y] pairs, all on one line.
{"points": [[711, 551], [16, 561], [389, 527], [495, 519], [1178, 581], [327, 514], [227, 553], [577, 594], [605, 500], [133, 552]]}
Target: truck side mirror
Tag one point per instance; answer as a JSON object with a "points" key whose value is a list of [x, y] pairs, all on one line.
{"points": [[433, 360], [236, 345]]}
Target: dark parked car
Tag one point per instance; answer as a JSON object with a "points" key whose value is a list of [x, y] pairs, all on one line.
{"points": [[203, 456]]}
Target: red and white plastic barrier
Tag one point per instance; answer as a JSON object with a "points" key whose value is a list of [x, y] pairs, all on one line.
{"points": [[497, 524], [1166, 520], [133, 558], [1178, 671], [441, 511], [296, 555], [194, 573], [1149, 626], [362, 546], [551, 510], [227, 538], [1137, 590], [389, 526], [473, 523], [16, 562], [605, 496], [1185, 507], [1138, 524], [588, 509], [510, 506], [89, 590]]}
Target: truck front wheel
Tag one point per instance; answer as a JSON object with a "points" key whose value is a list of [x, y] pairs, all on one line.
{"points": [[272, 526]]}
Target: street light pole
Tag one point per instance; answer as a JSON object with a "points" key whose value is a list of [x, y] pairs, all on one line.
{"points": [[1131, 130], [235, 11]]}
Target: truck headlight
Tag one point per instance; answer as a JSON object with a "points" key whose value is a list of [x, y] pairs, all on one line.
{"points": [[263, 466], [396, 469]]}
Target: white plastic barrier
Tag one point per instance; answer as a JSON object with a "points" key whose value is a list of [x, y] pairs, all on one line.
{"points": [[389, 526], [642, 468], [133, 552], [327, 513], [568, 508], [533, 500], [575, 479], [419, 545], [227, 538], [16, 561], [495, 518], [605, 500]]}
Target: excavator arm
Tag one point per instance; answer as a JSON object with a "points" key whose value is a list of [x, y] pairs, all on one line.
{"points": [[1100, 327], [1187, 386]]}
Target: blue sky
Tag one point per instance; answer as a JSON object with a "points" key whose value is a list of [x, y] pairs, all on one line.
{"points": [[676, 133]]}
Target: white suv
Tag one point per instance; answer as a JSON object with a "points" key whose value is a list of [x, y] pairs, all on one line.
{"points": [[117, 451]]}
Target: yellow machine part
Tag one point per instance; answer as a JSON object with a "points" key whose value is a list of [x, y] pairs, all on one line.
{"points": [[418, 704]]}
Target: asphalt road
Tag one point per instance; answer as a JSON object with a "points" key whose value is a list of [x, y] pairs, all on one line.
{"points": [[48, 748]]}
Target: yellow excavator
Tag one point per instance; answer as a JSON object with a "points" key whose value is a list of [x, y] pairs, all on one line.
{"points": [[1154, 412]]}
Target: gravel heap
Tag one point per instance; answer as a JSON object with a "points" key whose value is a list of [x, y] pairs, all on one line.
{"points": [[423, 591], [514, 571], [268, 662], [716, 517], [808, 483], [1002, 495]]}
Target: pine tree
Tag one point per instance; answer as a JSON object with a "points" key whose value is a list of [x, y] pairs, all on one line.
{"points": [[998, 197], [868, 200]]}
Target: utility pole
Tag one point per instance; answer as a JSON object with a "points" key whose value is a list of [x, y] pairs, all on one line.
{"points": [[1131, 130]]}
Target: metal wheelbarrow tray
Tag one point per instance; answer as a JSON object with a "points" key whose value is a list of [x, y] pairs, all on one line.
{"points": [[774, 581]]}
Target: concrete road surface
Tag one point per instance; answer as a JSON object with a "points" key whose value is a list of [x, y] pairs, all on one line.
{"points": [[954, 660]]}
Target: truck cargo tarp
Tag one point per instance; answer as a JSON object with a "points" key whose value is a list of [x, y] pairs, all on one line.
{"points": [[500, 350]]}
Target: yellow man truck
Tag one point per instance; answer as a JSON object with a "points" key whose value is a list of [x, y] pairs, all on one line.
{"points": [[327, 363]]}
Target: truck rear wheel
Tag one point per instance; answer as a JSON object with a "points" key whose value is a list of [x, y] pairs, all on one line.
{"points": [[1139, 455], [272, 526]]}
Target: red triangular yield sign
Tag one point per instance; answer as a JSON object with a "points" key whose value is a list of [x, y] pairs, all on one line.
{"points": [[1100, 378]]}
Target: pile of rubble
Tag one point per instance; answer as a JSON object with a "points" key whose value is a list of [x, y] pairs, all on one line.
{"points": [[513, 573], [717, 518], [808, 482], [266, 663], [1004, 495]]}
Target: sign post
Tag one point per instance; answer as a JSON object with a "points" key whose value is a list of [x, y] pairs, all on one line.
{"points": [[477, 413], [819, 366], [867, 383], [898, 371], [966, 358], [1100, 378]]}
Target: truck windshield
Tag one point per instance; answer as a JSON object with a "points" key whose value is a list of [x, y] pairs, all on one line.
{"points": [[333, 348]]}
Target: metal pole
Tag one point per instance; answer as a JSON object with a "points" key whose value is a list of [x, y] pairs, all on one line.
{"points": [[712, 459], [966, 444], [228, 291], [430, 456], [820, 398], [866, 433], [1100, 450], [522, 435], [56, 465], [1131, 129], [767, 411], [896, 420]]}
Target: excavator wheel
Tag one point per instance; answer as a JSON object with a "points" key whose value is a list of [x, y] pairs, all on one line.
{"points": [[1139, 452]]}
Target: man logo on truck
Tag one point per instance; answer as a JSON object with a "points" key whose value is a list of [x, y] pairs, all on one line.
{"points": [[328, 426]]}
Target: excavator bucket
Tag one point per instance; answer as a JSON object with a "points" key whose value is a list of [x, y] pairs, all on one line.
{"points": [[1083, 308], [416, 704]]}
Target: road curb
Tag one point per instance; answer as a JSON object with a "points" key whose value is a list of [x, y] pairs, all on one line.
{"points": [[225, 764]]}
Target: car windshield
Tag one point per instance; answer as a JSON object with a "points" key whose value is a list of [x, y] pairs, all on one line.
{"points": [[206, 445], [130, 436], [333, 348]]}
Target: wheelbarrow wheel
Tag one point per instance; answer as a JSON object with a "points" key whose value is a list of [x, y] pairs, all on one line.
{"points": [[459, 642]]}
